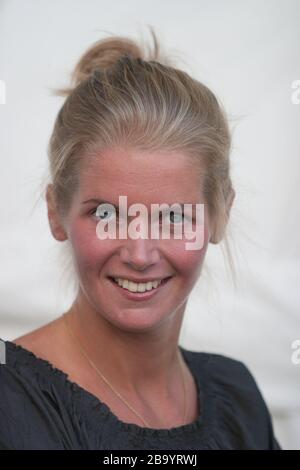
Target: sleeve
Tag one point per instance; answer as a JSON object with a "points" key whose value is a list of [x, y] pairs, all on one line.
{"points": [[273, 443], [7, 414], [33, 417], [20, 414], [246, 417]]}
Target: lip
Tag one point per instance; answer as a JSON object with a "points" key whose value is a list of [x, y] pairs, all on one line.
{"points": [[140, 295], [137, 281]]}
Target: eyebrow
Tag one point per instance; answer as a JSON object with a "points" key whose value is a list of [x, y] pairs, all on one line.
{"points": [[98, 201]]}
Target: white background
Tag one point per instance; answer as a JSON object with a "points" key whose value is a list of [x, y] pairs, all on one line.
{"points": [[248, 53]]}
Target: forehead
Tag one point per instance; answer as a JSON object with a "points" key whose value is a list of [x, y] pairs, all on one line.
{"points": [[140, 174]]}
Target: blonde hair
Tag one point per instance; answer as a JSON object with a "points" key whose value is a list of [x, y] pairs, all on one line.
{"points": [[123, 96]]}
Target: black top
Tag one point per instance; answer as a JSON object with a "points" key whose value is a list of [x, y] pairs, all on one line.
{"points": [[40, 408]]}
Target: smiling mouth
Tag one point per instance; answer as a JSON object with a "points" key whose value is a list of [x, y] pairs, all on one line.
{"points": [[162, 281], [136, 294]]}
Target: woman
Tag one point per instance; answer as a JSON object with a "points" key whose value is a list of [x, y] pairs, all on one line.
{"points": [[109, 373]]}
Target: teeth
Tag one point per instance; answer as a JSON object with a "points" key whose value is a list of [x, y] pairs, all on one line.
{"points": [[134, 287]]}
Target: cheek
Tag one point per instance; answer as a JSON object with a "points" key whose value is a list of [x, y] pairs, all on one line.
{"points": [[90, 253], [87, 248], [189, 262]]}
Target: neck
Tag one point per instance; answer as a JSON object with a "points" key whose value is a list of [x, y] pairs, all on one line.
{"points": [[138, 363]]}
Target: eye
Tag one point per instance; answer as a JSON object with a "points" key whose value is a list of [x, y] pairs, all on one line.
{"points": [[176, 217], [103, 211]]}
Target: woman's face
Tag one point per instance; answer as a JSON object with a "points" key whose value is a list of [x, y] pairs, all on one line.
{"points": [[145, 178]]}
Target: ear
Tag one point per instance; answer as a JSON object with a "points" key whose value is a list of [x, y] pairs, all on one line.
{"points": [[230, 201], [215, 238], [55, 222]]}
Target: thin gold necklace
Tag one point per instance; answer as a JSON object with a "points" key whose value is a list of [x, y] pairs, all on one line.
{"points": [[69, 329]]}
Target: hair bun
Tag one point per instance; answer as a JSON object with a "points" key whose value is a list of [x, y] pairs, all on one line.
{"points": [[103, 54]]}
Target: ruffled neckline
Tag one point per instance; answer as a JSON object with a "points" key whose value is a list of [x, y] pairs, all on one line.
{"points": [[94, 409]]}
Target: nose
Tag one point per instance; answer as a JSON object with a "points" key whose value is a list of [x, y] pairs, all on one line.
{"points": [[140, 253]]}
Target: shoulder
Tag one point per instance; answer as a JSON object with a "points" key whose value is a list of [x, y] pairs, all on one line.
{"points": [[43, 341], [226, 369], [239, 399], [29, 409], [14, 390], [234, 379]]}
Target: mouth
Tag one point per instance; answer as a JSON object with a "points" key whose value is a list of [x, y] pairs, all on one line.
{"points": [[139, 295]]}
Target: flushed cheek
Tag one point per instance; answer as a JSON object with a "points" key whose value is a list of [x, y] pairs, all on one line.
{"points": [[188, 263], [90, 253]]}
